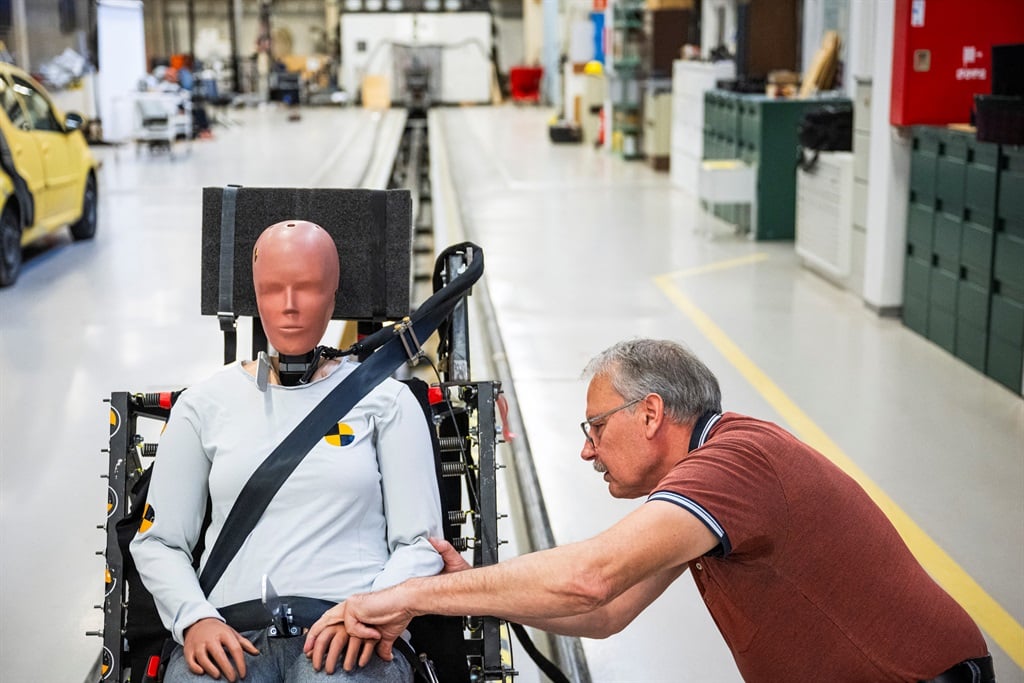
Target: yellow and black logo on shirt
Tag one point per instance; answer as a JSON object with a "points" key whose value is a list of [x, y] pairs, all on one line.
{"points": [[340, 435], [147, 519]]}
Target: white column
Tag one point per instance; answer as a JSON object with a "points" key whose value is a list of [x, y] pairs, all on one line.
{"points": [[121, 47], [860, 51], [888, 182], [552, 51], [533, 32], [20, 27]]}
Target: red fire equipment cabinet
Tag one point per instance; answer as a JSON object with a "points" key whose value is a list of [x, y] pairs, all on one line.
{"points": [[942, 56]]}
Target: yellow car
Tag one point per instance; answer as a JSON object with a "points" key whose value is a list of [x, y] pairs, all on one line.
{"points": [[47, 174]]}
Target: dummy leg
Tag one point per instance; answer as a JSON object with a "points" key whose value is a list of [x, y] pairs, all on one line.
{"points": [[377, 671], [259, 668]]}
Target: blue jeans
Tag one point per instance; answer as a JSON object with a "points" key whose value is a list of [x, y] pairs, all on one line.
{"points": [[281, 660]]}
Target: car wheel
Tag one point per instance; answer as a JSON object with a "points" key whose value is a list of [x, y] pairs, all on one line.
{"points": [[10, 245], [85, 228]]}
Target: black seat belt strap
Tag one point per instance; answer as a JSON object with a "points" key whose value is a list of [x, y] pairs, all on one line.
{"points": [[271, 474], [226, 281], [543, 663]]}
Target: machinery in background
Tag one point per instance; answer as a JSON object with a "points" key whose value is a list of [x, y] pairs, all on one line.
{"points": [[449, 53]]}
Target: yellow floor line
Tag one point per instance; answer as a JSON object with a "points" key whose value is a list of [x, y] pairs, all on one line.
{"points": [[989, 614]]}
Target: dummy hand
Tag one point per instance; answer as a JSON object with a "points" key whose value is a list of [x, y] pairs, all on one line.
{"points": [[214, 648], [332, 640], [369, 617], [453, 561]]}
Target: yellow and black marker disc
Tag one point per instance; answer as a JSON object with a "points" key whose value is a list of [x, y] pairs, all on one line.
{"points": [[111, 502], [115, 421], [147, 519], [109, 580], [106, 665], [339, 435]]}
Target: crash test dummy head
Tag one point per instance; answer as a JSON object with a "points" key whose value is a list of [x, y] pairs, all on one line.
{"points": [[295, 275]]}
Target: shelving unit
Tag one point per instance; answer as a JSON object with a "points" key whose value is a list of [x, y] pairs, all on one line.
{"points": [[690, 80], [625, 62]]}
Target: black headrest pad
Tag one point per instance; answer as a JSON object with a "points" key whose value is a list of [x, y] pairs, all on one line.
{"points": [[372, 228]]}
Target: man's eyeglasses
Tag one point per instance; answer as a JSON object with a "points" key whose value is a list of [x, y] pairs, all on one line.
{"points": [[591, 428]]}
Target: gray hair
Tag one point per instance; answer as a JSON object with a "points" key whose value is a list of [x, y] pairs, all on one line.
{"points": [[638, 367]]}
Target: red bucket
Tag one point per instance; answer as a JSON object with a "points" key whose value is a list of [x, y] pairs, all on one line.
{"points": [[524, 83]]}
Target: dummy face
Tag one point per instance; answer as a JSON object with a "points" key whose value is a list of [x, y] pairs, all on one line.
{"points": [[295, 275], [620, 450]]}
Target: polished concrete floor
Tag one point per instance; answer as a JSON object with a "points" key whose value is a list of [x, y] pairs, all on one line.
{"points": [[583, 249]]}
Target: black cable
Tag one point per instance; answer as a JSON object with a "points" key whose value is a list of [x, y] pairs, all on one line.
{"points": [[543, 663]]}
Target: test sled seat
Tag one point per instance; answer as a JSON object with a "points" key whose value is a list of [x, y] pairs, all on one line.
{"points": [[373, 232]]}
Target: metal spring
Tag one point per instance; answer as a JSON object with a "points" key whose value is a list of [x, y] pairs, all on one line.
{"points": [[458, 516], [460, 543], [451, 443], [452, 469], [149, 450]]}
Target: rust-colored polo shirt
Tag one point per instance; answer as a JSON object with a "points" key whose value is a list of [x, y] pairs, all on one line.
{"points": [[810, 582]]}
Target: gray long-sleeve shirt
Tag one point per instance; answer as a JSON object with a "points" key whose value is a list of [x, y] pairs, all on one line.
{"points": [[353, 517]]}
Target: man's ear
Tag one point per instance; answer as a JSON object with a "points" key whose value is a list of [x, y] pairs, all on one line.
{"points": [[652, 410]]}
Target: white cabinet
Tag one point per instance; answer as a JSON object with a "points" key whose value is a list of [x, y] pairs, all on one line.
{"points": [[824, 216], [690, 80]]}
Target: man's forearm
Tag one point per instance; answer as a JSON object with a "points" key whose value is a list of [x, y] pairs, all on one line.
{"points": [[543, 585], [614, 616]]}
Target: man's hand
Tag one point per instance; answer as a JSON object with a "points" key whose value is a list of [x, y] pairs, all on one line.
{"points": [[331, 642], [453, 561], [214, 648], [367, 617]]}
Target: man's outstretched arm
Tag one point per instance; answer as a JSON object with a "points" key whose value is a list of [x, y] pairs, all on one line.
{"points": [[574, 588]]}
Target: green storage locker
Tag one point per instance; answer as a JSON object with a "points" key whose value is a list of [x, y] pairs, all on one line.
{"points": [[980, 183], [763, 131], [915, 313], [1006, 342], [920, 227], [1007, 320], [946, 241], [923, 165], [942, 326], [972, 323], [964, 276], [1004, 363], [916, 276], [971, 344], [1008, 266], [972, 303], [976, 249], [951, 172], [942, 300], [1011, 191], [942, 287]]}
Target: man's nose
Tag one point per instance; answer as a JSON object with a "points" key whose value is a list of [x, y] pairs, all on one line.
{"points": [[589, 451]]}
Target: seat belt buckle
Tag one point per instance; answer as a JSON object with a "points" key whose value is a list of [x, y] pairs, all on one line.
{"points": [[282, 624], [413, 348]]}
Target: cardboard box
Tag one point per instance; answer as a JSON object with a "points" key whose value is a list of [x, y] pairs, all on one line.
{"points": [[669, 4], [376, 92]]}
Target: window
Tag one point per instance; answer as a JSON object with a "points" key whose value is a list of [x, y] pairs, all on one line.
{"points": [[11, 105], [39, 111]]}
